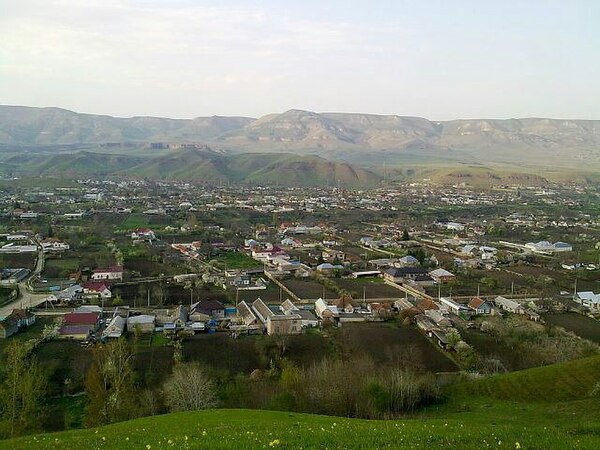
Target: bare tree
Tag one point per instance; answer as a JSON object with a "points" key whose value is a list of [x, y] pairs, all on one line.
{"points": [[189, 389]]}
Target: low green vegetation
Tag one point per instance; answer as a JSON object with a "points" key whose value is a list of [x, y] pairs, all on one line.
{"points": [[235, 260]]}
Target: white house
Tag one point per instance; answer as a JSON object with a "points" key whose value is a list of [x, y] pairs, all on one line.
{"points": [[143, 234], [509, 305], [589, 300], [108, 273]]}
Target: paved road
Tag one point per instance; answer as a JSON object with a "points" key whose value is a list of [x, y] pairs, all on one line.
{"points": [[27, 299]]}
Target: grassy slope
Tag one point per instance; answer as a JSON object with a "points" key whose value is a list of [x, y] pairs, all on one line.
{"points": [[559, 382], [470, 419]]}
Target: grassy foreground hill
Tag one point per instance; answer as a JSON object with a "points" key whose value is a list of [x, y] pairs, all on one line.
{"points": [[542, 408]]}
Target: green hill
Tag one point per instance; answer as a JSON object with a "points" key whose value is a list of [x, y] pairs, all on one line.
{"points": [[198, 165], [542, 408], [567, 381]]}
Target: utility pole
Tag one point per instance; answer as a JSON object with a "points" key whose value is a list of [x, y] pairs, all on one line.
{"points": [[148, 297]]}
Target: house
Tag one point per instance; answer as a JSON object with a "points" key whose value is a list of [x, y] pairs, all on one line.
{"points": [[328, 267], [589, 300], [261, 310], [438, 318], [331, 255], [172, 318], [24, 318], [439, 337], [143, 234], [70, 294], [79, 325], [144, 323], [115, 328], [424, 323], [54, 245], [8, 326], [284, 324], [509, 305], [307, 317], [442, 275], [480, 306], [108, 273], [548, 247], [214, 309], [454, 307], [325, 311], [402, 304], [408, 261], [96, 289], [422, 280], [401, 274], [245, 313]]}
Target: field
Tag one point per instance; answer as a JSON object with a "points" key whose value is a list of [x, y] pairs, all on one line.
{"points": [[373, 288], [236, 260], [17, 260], [308, 289], [270, 295], [583, 326], [60, 267], [393, 346], [138, 220]]}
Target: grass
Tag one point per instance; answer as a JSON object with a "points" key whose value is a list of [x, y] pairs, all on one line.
{"points": [[244, 429], [558, 382], [134, 221], [553, 411], [237, 260]]}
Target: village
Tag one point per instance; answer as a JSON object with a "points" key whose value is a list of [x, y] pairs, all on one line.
{"points": [[289, 274], [439, 280]]}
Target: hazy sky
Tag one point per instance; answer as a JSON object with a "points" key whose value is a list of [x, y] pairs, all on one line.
{"points": [[437, 59]]}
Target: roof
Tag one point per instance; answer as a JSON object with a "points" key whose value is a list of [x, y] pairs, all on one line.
{"points": [[141, 319], [440, 273], [112, 269], [97, 286], [207, 306], [261, 309], [402, 271], [476, 302], [20, 314], [83, 318]]}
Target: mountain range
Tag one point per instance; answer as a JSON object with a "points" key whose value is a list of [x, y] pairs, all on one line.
{"points": [[351, 140]]}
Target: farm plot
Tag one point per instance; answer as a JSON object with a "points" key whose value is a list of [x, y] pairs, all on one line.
{"points": [[583, 326], [371, 287], [393, 346], [17, 260], [308, 289]]}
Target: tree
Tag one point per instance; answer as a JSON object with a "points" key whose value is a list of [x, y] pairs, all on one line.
{"points": [[189, 389], [22, 392], [109, 384], [405, 235]]}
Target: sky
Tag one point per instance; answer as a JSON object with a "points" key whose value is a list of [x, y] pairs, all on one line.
{"points": [[182, 58]]}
